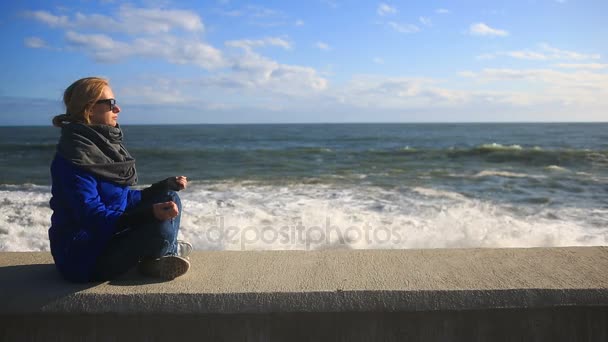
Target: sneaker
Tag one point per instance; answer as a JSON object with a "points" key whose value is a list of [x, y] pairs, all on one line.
{"points": [[168, 267], [184, 248]]}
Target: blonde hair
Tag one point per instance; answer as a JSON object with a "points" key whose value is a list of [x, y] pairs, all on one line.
{"points": [[79, 99]]}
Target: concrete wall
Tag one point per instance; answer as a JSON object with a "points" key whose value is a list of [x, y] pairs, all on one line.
{"points": [[536, 294]]}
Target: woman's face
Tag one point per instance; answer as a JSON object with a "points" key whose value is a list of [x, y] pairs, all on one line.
{"points": [[103, 113]]}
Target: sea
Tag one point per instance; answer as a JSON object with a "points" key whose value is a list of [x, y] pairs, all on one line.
{"points": [[346, 186]]}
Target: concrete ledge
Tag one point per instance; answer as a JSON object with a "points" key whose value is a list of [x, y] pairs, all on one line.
{"points": [[324, 281], [262, 289]]}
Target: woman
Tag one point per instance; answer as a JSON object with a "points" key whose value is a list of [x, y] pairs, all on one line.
{"points": [[100, 228]]}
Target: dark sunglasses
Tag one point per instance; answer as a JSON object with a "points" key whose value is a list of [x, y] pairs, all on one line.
{"points": [[110, 102]]}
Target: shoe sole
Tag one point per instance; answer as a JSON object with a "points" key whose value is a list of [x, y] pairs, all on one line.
{"points": [[173, 266]]}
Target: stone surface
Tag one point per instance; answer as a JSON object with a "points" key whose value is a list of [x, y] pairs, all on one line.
{"points": [[323, 281]]}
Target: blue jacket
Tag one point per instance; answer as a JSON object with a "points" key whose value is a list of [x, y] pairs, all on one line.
{"points": [[85, 212]]}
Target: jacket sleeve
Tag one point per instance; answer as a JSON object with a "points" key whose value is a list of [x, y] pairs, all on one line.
{"points": [[158, 189], [139, 208], [83, 197], [133, 199]]}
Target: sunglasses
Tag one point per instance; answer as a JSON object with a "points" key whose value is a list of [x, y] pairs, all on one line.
{"points": [[110, 102]]}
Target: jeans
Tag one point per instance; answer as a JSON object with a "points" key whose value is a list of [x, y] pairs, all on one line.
{"points": [[132, 244]]}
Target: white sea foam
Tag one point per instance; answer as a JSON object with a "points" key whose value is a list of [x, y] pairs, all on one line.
{"points": [[439, 193], [268, 217], [556, 168], [250, 216], [499, 147], [489, 173], [25, 217]]}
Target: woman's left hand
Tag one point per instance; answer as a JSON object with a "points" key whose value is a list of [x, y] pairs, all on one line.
{"points": [[177, 183]]}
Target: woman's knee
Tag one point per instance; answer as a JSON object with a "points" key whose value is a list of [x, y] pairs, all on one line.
{"points": [[163, 230]]}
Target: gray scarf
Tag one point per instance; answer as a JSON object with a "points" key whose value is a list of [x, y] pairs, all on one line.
{"points": [[98, 149]]}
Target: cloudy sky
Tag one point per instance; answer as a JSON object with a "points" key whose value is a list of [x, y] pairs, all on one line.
{"points": [[228, 61]]}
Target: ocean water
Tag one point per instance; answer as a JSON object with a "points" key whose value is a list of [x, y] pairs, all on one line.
{"points": [[320, 186]]}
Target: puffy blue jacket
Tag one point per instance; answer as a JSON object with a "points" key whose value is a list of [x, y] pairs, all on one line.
{"points": [[85, 213]]}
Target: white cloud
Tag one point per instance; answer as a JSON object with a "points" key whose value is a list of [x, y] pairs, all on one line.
{"points": [[257, 80], [592, 66], [545, 52], [425, 21], [403, 28], [578, 87], [35, 43], [174, 50], [397, 92], [554, 53], [159, 20], [128, 20], [530, 55], [378, 60], [48, 18], [551, 89], [246, 70], [481, 29], [322, 46], [248, 44], [442, 11], [260, 16], [384, 9], [299, 22], [101, 46], [260, 76]]}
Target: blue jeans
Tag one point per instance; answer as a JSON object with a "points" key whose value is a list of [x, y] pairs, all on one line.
{"points": [[132, 244]]}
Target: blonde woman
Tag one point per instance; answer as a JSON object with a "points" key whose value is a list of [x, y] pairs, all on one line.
{"points": [[100, 227]]}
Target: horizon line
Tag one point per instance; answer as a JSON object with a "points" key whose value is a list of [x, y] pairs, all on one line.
{"points": [[336, 123]]}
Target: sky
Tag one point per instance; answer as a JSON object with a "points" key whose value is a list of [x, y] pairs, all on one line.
{"points": [[227, 61]]}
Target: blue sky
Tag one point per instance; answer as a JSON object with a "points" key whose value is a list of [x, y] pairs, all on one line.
{"points": [[232, 61]]}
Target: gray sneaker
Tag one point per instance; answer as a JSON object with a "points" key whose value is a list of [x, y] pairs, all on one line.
{"points": [[184, 248], [168, 267]]}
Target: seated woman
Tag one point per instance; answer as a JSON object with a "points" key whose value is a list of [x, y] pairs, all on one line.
{"points": [[100, 227]]}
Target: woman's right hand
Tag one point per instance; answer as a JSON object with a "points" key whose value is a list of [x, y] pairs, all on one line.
{"points": [[165, 211]]}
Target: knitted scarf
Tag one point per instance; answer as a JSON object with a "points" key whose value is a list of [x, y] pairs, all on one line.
{"points": [[98, 149]]}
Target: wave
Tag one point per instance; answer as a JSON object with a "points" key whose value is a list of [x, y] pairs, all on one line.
{"points": [[531, 155], [329, 163], [248, 216], [491, 152], [499, 147], [439, 193], [558, 168], [500, 152], [27, 187], [507, 174]]}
